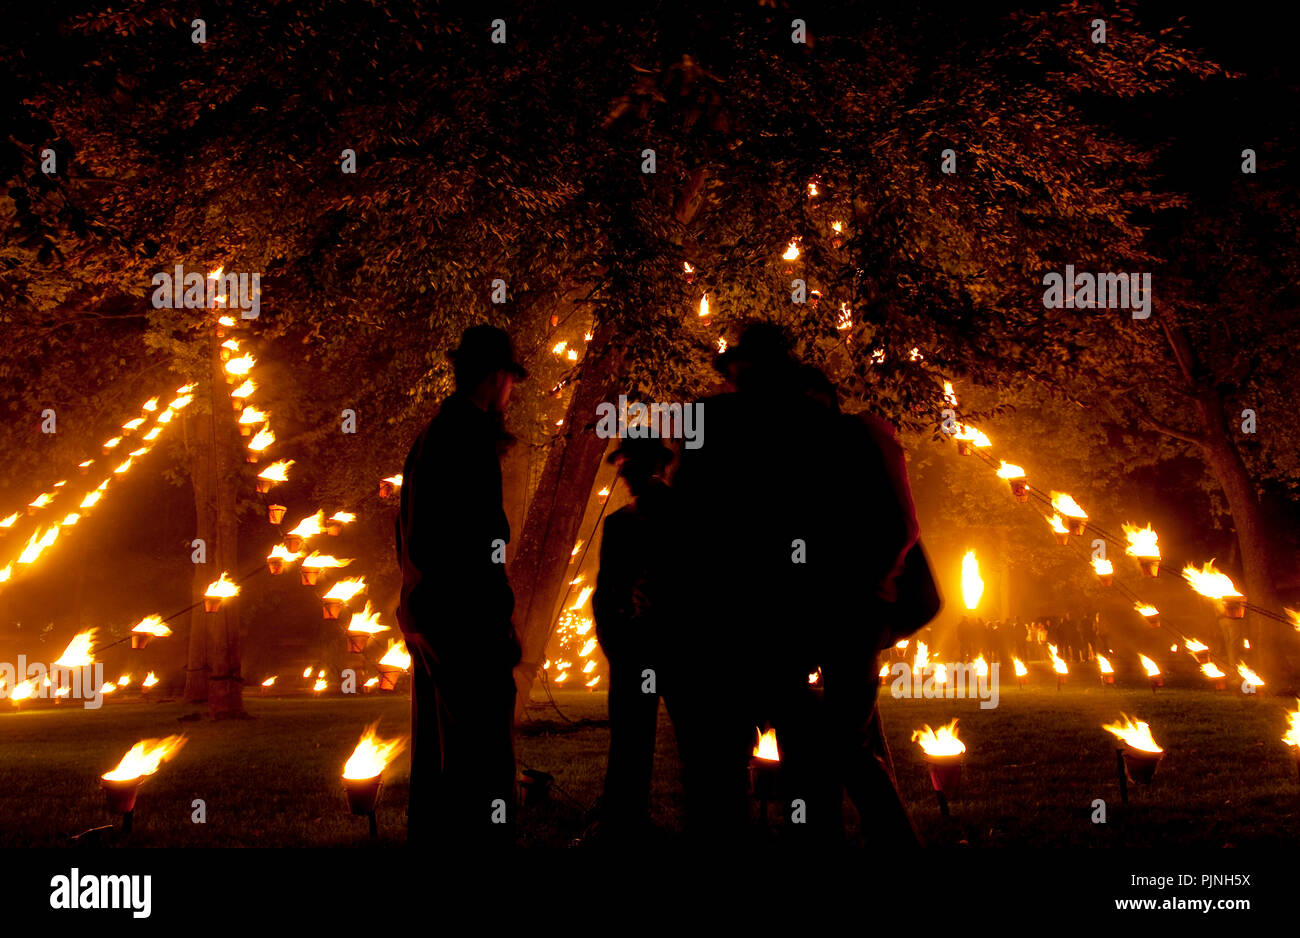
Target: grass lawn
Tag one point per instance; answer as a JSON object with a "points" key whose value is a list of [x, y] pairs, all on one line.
{"points": [[1034, 766]]}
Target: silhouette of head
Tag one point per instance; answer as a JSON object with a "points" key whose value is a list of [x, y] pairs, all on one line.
{"points": [[761, 358], [485, 366], [640, 462]]}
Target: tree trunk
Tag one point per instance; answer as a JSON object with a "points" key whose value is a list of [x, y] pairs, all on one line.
{"points": [[1275, 641], [225, 680], [556, 510], [198, 444]]}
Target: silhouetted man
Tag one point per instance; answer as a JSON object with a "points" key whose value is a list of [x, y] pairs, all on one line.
{"points": [[758, 543], [631, 626], [456, 605]]}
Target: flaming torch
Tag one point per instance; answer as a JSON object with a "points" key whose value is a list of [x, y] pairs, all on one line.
{"points": [[334, 527], [258, 444], [308, 527], [390, 485], [1211, 670], [241, 394], [276, 472], [1137, 759], [239, 368], [943, 751], [968, 437], [361, 627], [1292, 737], [123, 783], [396, 661], [1059, 530], [315, 563], [1216, 585], [278, 557], [1105, 571], [150, 627], [1059, 666], [1015, 477], [1107, 672], [1142, 545], [1075, 517], [78, 653], [339, 594], [220, 589], [972, 586], [1153, 673], [764, 766], [1249, 677], [250, 416], [1149, 613], [363, 773], [1200, 651], [1022, 673]]}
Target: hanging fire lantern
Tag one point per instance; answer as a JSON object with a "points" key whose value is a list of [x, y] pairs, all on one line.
{"points": [[1059, 530], [361, 628], [257, 446], [969, 439], [1105, 571], [1022, 673], [275, 514], [150, 627], [943, 752], [315, 563], [247, 418], [1015, 477], [1149, 613], [689, 272], [1200, 651], [276, 472], [309, 574], [396, 661], [308, 527], [219, 589], [334, 526], [884, 675], [838, 228], [1142, 544], [339, 594], [1215, 585], [390, 485], [1076, 519], [1059, 666], [84, 467], [1107, 672], [278, 557]]}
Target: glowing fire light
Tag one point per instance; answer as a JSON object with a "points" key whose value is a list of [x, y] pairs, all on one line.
{"points": [[244, 391], [1058, 663], [704, 305], [270, 681], [943, 742], [922, 659], [367, 621], [77, 654], [397, 656], [152, 625], [791, 252], [222, 588], [766, 749], [1151, 667], [1210, 582], [1194, 646], [344, 590], [1102, 566], [37, 544], [1146, 610], [981, 667], [23, 691], [319, 561], [1135, 735], [252, 415], [1249, 676], [277, 471], [240, 367], [972, 585], [1292, 737], [1067, 506], [1008, 471], [309, 526], [1021, 670], [263, 438], [1103, 664], [150, 680], [372, 755], [144, 758], [1211, 670], [1141, 542]]}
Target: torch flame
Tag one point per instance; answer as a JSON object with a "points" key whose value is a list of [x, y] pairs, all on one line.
{"points": [[77, 654], [277, 471], [1211, 670], [37, 544], [1210, 582], [367, 621], [767, 749], [397, 656], [245, 390], [1021, 670], [981, 667], [280, 552], [310, 526], [1067, 506], [1141, 542], [1151, 668], [922, 659], [153, 625], [1058, 663], [944, 742], [252, 415], [1146, 610], [144, 758], [270, 681], [319, 561], [1057, 525], [972, 585], [222, 587], [263, 438], [1103, 566], [344, 590], [1194, 646], [791, 252], [23, 691], [240, 366], [1249, 676], [704, 305], [372, 754], [1135, 735], [1292, 737], [1009, 471], [1104, 665], [343, 517], [150, 680]]}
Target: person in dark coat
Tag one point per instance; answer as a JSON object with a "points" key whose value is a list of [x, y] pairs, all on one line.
{"points": [[882, 518], [456, 606], [629, 607], [758, 538]]}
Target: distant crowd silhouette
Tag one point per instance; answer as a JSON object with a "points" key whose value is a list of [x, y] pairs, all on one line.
{"points": [[786, 544]]}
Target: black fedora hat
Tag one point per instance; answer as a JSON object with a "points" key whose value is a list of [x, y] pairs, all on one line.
{"points": [[484, 349], [760, 343]]}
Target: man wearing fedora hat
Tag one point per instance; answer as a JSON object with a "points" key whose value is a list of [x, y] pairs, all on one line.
{"points": [[456, 605], [629, 608]]}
